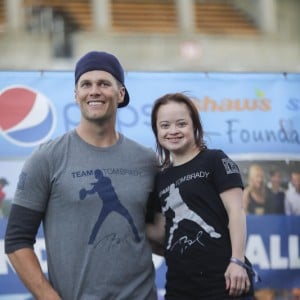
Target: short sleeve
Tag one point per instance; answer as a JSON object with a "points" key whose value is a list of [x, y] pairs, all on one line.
{"points": [[226, 172], [33, 187]]}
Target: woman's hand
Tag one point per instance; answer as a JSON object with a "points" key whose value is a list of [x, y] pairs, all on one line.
{"points": [[237, 280]]}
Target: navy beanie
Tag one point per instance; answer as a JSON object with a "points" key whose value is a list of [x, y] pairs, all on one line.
{"points": [[102, 61]]}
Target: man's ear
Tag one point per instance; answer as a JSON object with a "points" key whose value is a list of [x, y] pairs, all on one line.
{"points": [[121, 94], [75, 96]]}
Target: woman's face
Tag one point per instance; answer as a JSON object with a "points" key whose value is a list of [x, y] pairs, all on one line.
{"points": [[257, 178], [175, 130]]}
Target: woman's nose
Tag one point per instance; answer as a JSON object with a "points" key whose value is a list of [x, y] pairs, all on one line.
{"points": [[173, 129]]}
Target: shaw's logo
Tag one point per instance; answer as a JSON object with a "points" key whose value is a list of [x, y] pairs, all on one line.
{"points": [[27, 117]]}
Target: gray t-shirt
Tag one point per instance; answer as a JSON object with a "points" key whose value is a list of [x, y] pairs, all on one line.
{"points": [[94, 201]]}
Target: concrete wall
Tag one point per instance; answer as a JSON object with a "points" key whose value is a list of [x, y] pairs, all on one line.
{"points": [[275, 52], [197, 53], [288, 15]]}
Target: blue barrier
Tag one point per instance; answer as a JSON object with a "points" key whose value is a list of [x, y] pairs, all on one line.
{"points": [[273, 247]]}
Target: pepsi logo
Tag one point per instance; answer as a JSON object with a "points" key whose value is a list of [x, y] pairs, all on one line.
{"points": [[27, 117]]}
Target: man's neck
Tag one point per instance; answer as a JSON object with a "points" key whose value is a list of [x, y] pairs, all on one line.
{"points": [[98, 136]]}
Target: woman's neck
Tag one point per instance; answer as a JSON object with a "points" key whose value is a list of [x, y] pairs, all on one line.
{"points": [[180, 159]]}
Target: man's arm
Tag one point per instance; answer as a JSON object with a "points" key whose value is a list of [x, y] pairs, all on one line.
{"points": [[28, 268], [22, 227]]}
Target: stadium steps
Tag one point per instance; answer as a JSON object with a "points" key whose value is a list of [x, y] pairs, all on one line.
{"points": [[214, 17], [2, 15], [219, 17], [77, 12], [144, 16]]}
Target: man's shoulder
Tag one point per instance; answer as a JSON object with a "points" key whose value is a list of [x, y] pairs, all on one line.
{"points": [[291, 194], [56, 142], [53, 148]]}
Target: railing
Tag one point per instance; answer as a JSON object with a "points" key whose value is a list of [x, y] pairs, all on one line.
{"points": [[2, 15], [144, 16], [219, 17], [77, 11]]}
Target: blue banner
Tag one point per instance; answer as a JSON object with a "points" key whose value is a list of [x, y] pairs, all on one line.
{"points": [[250, 116], [241, 113], [273, 247]]}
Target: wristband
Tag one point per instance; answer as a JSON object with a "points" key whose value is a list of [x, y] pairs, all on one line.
{"points": [[245, 266]]}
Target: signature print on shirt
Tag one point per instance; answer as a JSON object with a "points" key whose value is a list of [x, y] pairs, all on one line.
{"points": [[183, 212], [185, 242], [111, 203]]}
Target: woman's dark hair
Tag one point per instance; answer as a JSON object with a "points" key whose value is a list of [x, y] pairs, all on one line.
{"points": [[164, 154]]}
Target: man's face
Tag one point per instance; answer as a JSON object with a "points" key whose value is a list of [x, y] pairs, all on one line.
{"points": [[98, 93], [295, 179]]}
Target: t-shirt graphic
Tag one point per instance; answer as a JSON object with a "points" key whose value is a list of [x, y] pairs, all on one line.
{"points": [[111, 203], [181, 212]]}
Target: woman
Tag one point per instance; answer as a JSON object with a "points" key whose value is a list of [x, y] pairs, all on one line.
{"points": [[255, 194], [200, 195]]}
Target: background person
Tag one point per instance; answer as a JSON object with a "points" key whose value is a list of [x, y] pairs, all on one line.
{"points": [[3, 183], [90, 255], [292, 195], [255, 194], [292, 207], [275, 192], [258, 200]]}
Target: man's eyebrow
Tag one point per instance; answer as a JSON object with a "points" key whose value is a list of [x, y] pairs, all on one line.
{"points": [[97, 80], [104, 80], [85, 80]]}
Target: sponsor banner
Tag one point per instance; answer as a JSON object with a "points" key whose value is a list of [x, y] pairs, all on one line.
{"points": [[273, 247], [241, 112], [273, 250], [248, 115]]}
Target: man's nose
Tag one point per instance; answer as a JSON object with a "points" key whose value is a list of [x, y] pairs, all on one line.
{"points": [[95, 89]]}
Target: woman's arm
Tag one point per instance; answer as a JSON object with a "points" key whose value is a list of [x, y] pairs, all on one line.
{"points": [[245, 199], [237, 280], [155, 232], [232, 200]]}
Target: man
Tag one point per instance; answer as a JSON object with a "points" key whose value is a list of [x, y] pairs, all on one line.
{"points": [[292, 206], [89, 188], [275, 192], [292, 195], [3, 183]]}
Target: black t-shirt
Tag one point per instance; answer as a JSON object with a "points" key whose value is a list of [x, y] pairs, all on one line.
{"points": [[198, 247]]}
